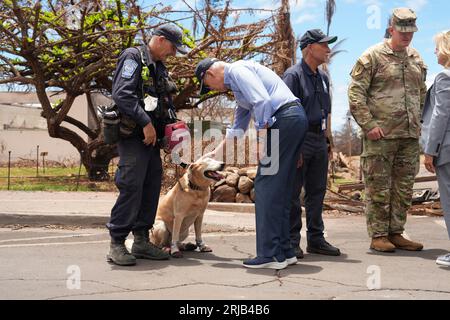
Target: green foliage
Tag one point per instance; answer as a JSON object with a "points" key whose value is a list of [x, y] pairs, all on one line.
{"points": [[57, 51], [75, 47], [92, 19], [17, 61], [65, 45], [188, 39], [47, 17], [57, 103], [54, 179]]}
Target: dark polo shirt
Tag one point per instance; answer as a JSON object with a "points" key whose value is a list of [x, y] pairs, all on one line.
{"points": [[312, 90]]}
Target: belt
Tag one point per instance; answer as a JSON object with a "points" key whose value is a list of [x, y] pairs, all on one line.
{"points": [[316, 128], [287, 106]]}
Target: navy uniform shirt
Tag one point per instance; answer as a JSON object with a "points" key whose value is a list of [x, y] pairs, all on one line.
{"points": [[312, 90], [128, 86]]}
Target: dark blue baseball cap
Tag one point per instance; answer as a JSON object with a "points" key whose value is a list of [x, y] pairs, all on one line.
{"points": [[315, 36], [200, 72], [173, 34]]}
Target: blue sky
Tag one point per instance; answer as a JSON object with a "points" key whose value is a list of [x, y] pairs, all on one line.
{"points": [[362, 23], [351, 22]]}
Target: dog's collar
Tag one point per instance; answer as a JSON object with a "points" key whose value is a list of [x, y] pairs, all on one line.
{"points": [[195, 187], [192, 186]]}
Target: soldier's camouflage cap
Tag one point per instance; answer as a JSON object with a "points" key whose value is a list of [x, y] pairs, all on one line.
{"points": [[404, 20]]}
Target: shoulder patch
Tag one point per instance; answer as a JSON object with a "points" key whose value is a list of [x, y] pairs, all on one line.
{"points": [[129, 66], [362, 65], [357, 70], [365, 61]]}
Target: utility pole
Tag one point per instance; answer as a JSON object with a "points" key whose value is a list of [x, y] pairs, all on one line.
{"points": [[37, 161], [349, 137]]}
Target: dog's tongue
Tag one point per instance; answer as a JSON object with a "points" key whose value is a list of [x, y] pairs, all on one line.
{"points": [[216, 175]]}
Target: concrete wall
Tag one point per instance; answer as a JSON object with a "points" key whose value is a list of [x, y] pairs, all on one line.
{"points": [[22, 128]]}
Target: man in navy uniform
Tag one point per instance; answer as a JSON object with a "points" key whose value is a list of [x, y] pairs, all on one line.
{"points": [[140, 90], [311, 85]]}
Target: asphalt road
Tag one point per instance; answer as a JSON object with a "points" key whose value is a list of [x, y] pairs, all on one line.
{"points": [[44, 263]]}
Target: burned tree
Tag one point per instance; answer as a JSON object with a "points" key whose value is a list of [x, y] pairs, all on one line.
{"points": [[217, 33], [285, 46], [69, 47]]}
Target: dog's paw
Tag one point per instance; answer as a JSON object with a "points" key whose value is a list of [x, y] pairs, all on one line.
{"points": [[177, 254], [205, 248], [187, 246]]}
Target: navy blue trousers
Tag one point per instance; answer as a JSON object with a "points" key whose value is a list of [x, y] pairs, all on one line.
{"points": [[138, 179], [273, 189], [313, 177]]}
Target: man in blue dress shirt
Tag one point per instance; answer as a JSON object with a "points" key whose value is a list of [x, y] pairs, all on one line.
{"points": [[261, 94]]}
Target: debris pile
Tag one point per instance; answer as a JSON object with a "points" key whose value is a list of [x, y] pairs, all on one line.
{"points": [[237, 186]]}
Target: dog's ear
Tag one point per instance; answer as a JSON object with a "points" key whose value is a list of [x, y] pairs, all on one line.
{"points": [[194, 166], [184, 183]]}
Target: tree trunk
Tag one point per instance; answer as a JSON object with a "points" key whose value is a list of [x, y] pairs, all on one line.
{"points": [[95, 155], [286, 45], [97, 161]]}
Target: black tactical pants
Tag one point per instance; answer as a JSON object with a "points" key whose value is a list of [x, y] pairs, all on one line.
{"points": [[138, 179], [313, 177]]}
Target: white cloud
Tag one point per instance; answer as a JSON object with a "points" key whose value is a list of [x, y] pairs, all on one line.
{"points": [[295, 5], [366, 2], [416, 5], [430, 79], [300, 5], [373, 2], [307, 17], [340, 106], [180, 5]]}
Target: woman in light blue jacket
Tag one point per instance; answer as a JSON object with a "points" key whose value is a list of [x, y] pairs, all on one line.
{"points": [[436, 130]]}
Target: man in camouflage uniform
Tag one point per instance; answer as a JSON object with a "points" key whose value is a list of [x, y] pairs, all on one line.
{"points": [[386, 98]]}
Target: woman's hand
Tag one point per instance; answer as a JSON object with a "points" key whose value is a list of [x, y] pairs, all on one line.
{"points": [[429, 163]]}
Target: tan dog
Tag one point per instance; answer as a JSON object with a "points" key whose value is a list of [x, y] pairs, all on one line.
{"points": [[185, 205]]}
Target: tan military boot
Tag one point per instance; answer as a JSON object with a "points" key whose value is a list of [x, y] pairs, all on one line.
{"points": [[382, 244], [404, 244]]}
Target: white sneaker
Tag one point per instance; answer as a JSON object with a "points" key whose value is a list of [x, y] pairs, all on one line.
{"points": [[265, 263], [292, 261], [444, 260]]}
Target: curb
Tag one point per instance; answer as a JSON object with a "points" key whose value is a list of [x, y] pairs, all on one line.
{"points": [[53, 219], [34, 220], [232, 207], [92, 220]]}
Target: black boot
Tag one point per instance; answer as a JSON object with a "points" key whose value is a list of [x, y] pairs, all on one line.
{"points": [[323, 247], [119, 254], [143, 249]]}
